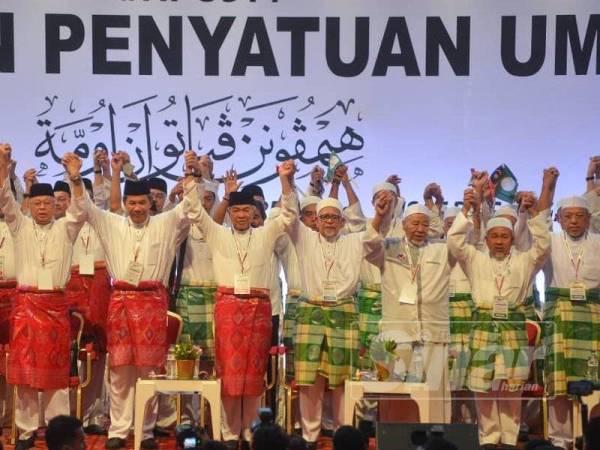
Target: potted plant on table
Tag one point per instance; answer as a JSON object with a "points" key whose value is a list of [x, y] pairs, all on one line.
{"points": [[186, 357]]}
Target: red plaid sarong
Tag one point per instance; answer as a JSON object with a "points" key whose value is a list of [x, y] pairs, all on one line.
{"points": [[137, 324], [242, 340], [40, 339], [90, 296], [8, 293]]}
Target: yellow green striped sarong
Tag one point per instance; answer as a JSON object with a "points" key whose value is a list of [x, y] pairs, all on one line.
{"points": [[369, 315], [460, 312], [571, 332], [196, 304], [326, 342], [289, 330], [491, 339]]}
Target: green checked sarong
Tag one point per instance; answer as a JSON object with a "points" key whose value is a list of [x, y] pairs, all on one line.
{"points": [[460, 312], [196, 305], [326, 342], [289, 330], [492, 339], [571, 332], [369, 315]]}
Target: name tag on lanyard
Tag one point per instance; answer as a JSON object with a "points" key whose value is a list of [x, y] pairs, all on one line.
{"points": [[44, 279], [408, 294], [329, 291], [241, 284], [577, 291], [134, 273], [500, 311], [86, 265]]}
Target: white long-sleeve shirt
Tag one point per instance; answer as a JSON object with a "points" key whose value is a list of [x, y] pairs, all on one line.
{"points": [[7, 252], [427, 318], [509, 279], [559, 271], [254, 247], [198, 260], [38, 248], [154, 243], [317, 256]]}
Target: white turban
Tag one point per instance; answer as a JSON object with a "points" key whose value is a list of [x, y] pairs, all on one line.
{"points": [[309, 200], [416, 208], [498, 222], [451, 211], [506, 210], [384, 187], [211, 186], [329, 202], [574, 202]]}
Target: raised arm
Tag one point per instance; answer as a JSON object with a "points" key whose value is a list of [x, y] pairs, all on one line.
{"points": [[436, 226], [231, 185], [458, 235], [285, 221], [548, 189], [115, 203], [593, 174], [315, 186], [75, 217], [9, 206], [373, 243]]}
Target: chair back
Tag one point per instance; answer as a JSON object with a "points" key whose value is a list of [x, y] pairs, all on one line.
{"points": [[174, 328]]}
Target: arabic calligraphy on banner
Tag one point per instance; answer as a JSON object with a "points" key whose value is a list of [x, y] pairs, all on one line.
{"points": [[157, 129]]}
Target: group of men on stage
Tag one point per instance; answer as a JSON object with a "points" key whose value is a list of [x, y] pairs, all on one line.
{"points": [[453, 289]]}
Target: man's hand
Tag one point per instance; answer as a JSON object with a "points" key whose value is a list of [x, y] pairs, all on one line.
{"points": [[594, 167], [384, 203], [101, 160], [341, 174], [191, 162], [550, 177], [395, 180], [479, 179], [316, 175], [469, 200], [177, 191], [230, 182], [433, 191], [117, 163], [287, 169], [5, 156], [29, 178], [526, 200], [72, 164], [206, 167]]}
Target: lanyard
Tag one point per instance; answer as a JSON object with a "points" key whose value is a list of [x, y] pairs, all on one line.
{"points": [[86, 242], [42, 242], [499, 277], [577, 265], [325, 259], [241, 258], [138, 241], [414, 269]]}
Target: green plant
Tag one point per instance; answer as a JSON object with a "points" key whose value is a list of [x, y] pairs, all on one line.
{"points": [[186, 351], [390, 346]]}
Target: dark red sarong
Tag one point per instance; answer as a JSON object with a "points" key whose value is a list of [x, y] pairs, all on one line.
{"points": [[242, 340], [40, 340], [137, 324], [8, 293], [90, 296]]}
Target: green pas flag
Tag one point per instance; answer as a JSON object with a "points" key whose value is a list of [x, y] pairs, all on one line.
{"points": [[505, 183], [334, 163]]}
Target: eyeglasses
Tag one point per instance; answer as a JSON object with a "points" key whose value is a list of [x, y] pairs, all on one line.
{"points": [[330, 218]]}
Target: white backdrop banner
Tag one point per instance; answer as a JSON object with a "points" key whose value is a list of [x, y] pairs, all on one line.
{"points": [[426, 89]]}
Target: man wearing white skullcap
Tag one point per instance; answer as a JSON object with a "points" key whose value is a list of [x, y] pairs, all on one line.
{"points": [[414, 284], [500, 277], [573, 306], [326, 342]]}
